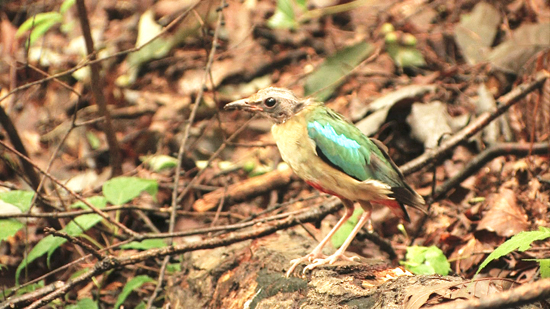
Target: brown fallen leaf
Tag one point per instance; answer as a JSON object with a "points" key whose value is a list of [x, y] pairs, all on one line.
{"points": [[418, 297], [466, 257], [504, 217]]}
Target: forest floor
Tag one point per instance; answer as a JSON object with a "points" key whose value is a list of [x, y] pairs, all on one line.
{"points": [[459, 91]]}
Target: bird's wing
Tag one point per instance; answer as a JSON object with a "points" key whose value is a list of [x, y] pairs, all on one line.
{"points": [[340, 144]]}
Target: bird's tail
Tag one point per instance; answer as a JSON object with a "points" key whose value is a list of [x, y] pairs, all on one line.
{"points": [[397, 208], [403, 196], [408, 196]]}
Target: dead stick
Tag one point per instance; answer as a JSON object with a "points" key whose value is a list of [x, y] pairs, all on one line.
{"points": [[239, 190], [245, 189], [517, 149], [97, 90], [110, 262], [524, 294], [75, 241], [15, 140], [503, 103], [71, 192]]}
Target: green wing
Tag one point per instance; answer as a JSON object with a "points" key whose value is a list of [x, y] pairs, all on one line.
{"points": [[344, 147]]}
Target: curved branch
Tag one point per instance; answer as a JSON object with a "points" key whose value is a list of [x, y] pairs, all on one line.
{"points": [[503, 103], [517, 149]]}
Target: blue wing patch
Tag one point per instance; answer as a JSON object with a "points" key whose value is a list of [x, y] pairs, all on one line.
{"points": [[342, 152], [328, 132]]}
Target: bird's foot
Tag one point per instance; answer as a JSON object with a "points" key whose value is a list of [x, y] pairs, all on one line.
{"points": [[313, 256], [330, 260]]}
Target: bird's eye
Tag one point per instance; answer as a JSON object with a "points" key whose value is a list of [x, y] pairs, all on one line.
{"points": [[270, 102]]}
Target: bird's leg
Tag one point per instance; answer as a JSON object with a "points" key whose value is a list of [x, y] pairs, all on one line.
{"points": [[339, 254], [317, 252]]}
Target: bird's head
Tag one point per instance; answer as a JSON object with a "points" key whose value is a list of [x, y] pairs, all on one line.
{"points": [[277, 104]]}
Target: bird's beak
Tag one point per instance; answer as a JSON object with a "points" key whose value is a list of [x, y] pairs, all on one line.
{"points": [[243, 105]]}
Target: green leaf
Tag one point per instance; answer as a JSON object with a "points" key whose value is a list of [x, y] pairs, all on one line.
{"points": [[39, 25], [142, 305], [93, 140], [50, 243], [19, 199], [85, 303], [131, 285], [31, 287], [173, 268], [544, 265], [323, 81], [38, 19], [343, 232], [405, 56], [302, 4], [426, 261], [436, 259], [521, 242], [40, 249], [284, 17], [75, 228], [158, 163], [8, 228], [67, 4], [121, 190], [12, 201], [145, 244], [41, 29], [97, 201], [544, 268]]}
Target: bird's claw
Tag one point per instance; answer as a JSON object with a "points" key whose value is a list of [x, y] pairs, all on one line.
{"points": [[330, 260], [307, 258], [318, 259]]}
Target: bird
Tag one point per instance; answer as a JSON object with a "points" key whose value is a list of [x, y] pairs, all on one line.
{"points": [[332, 155]]}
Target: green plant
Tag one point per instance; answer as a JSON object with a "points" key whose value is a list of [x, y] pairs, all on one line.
{"points": [[13, 202], [426, 261], [521, 242], [285, 17], [342, 234], [291, 13], [117, 191], [131, 285], [402, 47], [40, 23]]}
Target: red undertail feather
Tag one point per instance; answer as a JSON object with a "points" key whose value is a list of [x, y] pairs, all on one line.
{"points": [[318, 187], [397, 208]]}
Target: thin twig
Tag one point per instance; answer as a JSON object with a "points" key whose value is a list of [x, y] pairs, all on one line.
{"points": [[66, 266], [192, 118], [115, 157], [524, 294], [331, 206], [503, 103], [87, 60], [75, 241], [71, 192], [181, 151], [75, 213], [516, 149], [15, 140]]}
